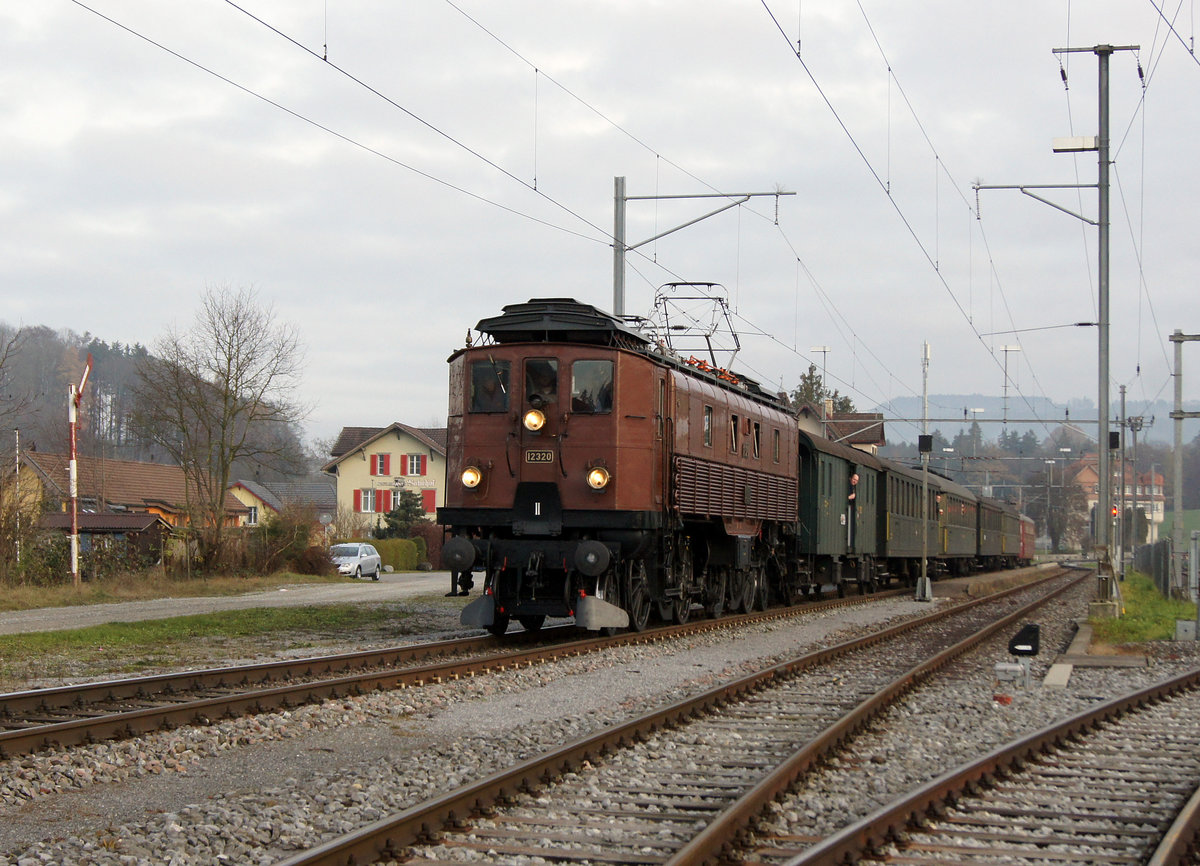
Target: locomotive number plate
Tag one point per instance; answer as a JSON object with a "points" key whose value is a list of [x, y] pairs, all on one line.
{"points": [[539, 456]]}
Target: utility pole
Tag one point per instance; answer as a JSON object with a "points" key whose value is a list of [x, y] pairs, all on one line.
{"points": [[1135, 424], [924, 588], [1121, 530], [17, 497], [620, 199], [1178, 579], [1100, 144]]}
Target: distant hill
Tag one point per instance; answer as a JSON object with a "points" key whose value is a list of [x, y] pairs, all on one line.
{"points": [[1023, 415]]}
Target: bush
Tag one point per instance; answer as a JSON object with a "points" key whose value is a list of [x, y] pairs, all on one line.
{"points": [[432, 536], [280, 540], [400, 553], [313, 560], [48, 561]]}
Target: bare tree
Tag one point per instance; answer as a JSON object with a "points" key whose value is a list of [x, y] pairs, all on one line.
{"points": [[11, 506], [207, 395]]}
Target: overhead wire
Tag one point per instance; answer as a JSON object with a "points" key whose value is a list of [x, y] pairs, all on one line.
{"points": [[659, 157], [532, 187], [327, 129], [906, 222], [475, 153], [932, 259]]}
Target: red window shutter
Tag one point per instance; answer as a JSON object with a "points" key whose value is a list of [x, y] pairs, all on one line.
{"points": [[403, 464], [385, 464], [386, 496], [374, 464], [379, 500], [424, 465], [358, 500], [429, 501]]}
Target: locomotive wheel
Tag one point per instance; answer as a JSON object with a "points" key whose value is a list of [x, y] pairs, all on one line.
{"points": [[761, 590], [637, 601], [499, 625], [532, 622], [739, 589], [675, 610], [639, 606], [608, 585], [717, 583], [749, 590]]}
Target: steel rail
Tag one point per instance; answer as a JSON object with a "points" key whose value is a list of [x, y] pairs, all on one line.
{"points": [[388, 837], [714, 840], [1181, 843], [175, 708], [850, 844]]}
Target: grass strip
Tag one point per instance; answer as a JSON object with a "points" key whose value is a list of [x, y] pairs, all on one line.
{"points": [[1147, 615], [133, 646]]}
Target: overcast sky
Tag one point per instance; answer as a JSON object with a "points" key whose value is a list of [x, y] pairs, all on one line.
{"points": [[445, 159]]}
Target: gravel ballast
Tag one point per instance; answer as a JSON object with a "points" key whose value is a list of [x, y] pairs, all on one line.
{"points": [[255, 789]]}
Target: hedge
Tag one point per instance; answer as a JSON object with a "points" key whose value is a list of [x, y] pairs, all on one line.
{"points": [[402, 554]]}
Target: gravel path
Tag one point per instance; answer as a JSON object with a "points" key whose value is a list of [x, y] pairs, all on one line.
{"points": [[252, 790], [389, 587]]}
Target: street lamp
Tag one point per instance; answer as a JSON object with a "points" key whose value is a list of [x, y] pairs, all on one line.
{"points": [[824, 350], [1049, 484], [975, 413]]}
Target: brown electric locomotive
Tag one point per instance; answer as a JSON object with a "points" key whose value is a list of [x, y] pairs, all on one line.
{"points": [[597, 475]]}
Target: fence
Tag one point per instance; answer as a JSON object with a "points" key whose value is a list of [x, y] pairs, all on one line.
{"points": [[1155, 560]]}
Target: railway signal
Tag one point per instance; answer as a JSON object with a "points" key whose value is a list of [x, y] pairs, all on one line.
{"points": [[74, 396]]}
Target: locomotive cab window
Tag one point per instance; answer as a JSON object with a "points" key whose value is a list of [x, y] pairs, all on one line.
{"points": [[708, 426], [733, 433], [541, 382], [592, 387], [489, 385]]}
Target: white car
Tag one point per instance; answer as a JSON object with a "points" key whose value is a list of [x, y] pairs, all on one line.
{"points": [[357, 559]]}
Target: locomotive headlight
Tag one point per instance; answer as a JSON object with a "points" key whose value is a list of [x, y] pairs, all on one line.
{"points": [[472, 476], [598, 478], [534, 420]]}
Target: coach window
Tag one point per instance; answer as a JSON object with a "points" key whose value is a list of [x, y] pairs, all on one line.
{"points": [[592, 387], [733, 433], [708, 426], [489, 386]]}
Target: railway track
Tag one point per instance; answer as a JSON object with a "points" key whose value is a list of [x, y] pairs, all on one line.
{"points": [[1119, 784], [681, 784], [117, 709]]}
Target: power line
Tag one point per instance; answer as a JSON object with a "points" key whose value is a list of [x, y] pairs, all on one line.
{"points": [[929, 257], [330, 131]]}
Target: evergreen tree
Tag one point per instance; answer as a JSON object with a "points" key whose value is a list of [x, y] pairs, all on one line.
{"points": [[398, 522], [812, 390]]}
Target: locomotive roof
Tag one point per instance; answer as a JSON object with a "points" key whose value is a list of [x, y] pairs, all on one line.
{"points": [[560, 320], [566, 320]]}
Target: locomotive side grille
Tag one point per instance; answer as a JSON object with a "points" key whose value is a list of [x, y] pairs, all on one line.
{"points": [[717, 490]]}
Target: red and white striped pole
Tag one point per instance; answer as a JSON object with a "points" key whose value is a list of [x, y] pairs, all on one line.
{"points": [[74, 396]]}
